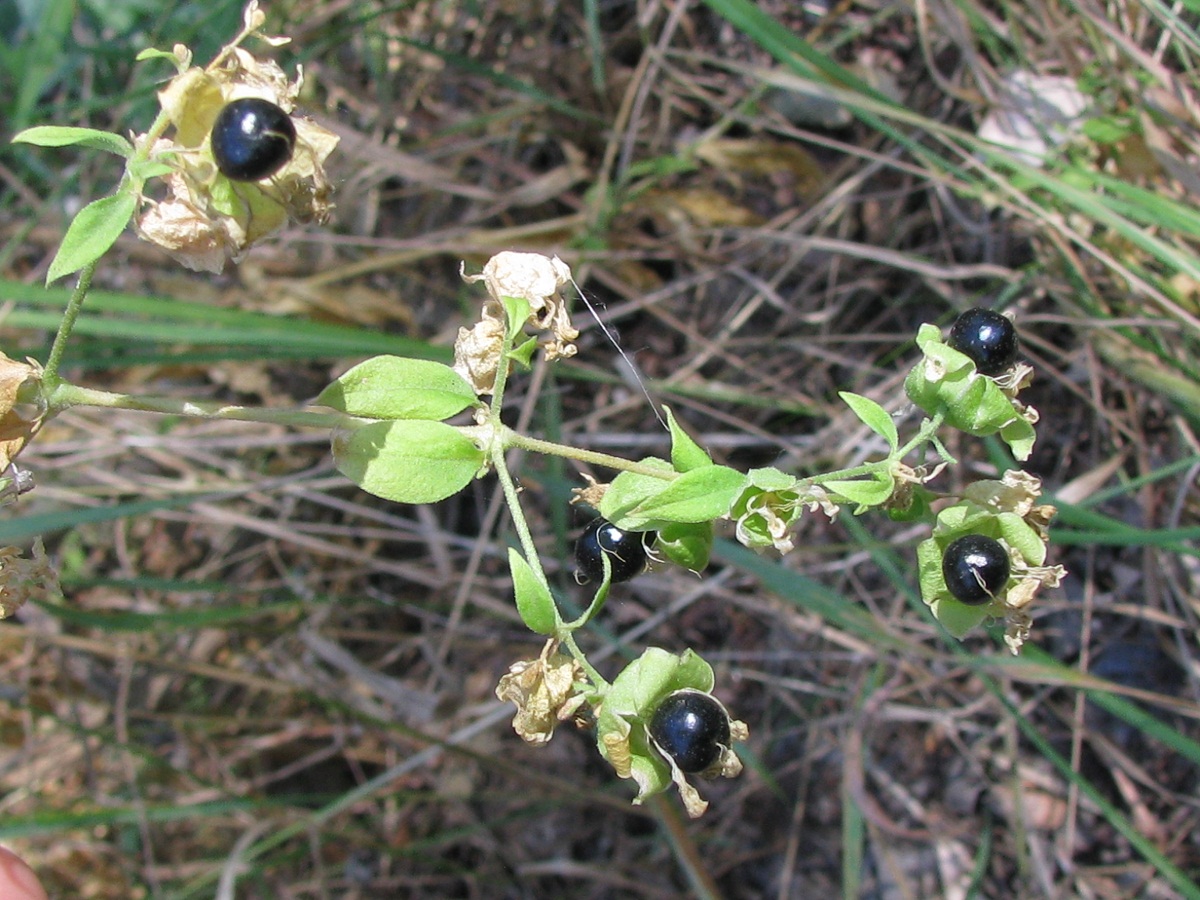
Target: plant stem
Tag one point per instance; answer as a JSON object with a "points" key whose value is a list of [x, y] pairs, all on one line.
{"points": [[531, 556], [523, 442], [50, 376], [597, 680], [512, 496], [927, 431], [926, 434], [66, 395]]}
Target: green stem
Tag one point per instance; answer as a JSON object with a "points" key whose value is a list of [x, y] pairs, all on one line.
{"points": [[512, 495], [598, 681], [531, 556], [598, 600], [50, 376], [66, 395], [926, 434], [522, 442]]}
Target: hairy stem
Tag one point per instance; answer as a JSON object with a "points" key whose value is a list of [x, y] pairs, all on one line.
{"points": [[65, 395], [536, 445], [512, 495], [597, 680], [50, 376]]}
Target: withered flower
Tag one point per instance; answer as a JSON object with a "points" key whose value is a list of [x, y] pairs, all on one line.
{"points": [[21, 406], [21, 577], [544, 691], [525, 276]]}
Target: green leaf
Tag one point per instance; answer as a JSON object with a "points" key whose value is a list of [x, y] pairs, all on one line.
{"points": [[94, 230], [523, 352], [142, 170], [646, 681], [153, 53], [1109, 129], [1020, 437], [700, 495], [918, 507], [873, 416], [866, 492], [687, 544], [407, 461], [395, 387], [517, 311], [686, 454], [534, 601], [64, 136], [629, 489]]}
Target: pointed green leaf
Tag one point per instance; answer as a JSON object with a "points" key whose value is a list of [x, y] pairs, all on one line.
{"points": [[631, 488], [93, 231], [407, 461], [152, 53], [686, 454], [395, 387], [873, 416], [700, 495], [523, 352], [517, 312], [1020, 437], [866, 492], [64, 136], [534, 601], [142, 170]]}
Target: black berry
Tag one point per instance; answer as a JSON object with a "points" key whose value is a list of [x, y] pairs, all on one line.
{"points": [[975, 568], [252, 139], [626, 551], [988, 338], [692, 728]]}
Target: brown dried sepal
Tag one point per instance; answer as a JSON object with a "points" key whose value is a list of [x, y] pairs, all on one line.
{"points": [[21, 406], [21, 578], [544, 692], [592, 495]]}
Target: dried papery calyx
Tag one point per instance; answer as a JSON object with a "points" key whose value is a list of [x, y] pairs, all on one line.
{"points": [[205, 218]]}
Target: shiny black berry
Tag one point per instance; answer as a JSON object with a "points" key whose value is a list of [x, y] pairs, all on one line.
{"points": [[988, 338], [692, 728], [975, 568], [252, 139], [626, 551]]}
